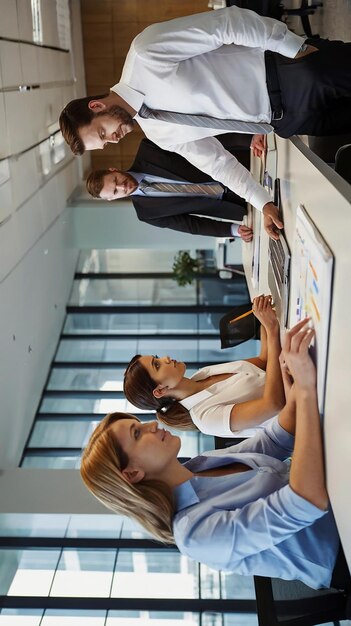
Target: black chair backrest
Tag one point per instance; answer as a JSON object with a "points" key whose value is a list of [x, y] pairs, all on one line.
{"points": [[343, 162], [232, 335], [291, 603], [327, 147]]}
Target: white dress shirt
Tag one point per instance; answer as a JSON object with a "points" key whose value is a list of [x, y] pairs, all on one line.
{"points": [[210, 408], [212, 64]]}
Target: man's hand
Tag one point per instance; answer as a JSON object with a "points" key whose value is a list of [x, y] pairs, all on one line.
{"points": [[271, 220], [295, 352], [258, 145], [308, 51], [245, 232]]}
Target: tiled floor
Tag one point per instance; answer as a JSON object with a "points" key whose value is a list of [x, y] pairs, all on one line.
{"points": [[337, 19], [332, 20]]}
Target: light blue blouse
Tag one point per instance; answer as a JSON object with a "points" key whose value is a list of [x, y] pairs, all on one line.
{"points": [[252, 522]]}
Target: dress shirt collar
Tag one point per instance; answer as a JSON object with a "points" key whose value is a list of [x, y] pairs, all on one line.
{"points": [[132, 97], [138, 176], [185, 495], [195, 398], [189, 492]]}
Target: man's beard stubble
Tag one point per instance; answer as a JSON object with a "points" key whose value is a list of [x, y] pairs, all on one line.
{"points": [[121, 114]]}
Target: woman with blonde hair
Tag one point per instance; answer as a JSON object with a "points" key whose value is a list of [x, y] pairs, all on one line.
{"points": [[103, 467], [220, 399], [236, 509]]}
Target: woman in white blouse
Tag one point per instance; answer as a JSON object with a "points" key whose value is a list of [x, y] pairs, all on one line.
{"points": [[220, 399]]}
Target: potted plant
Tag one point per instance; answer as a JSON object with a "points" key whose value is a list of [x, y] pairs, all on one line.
{"points": [[185, 268]]}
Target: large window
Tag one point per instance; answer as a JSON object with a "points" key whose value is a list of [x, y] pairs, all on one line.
{"points": [[114, 573], [50, 617], [106, 570], [120, 324], [117, 310]]}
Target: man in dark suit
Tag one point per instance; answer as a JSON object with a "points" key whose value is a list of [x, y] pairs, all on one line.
{"points": [[183, 207]]}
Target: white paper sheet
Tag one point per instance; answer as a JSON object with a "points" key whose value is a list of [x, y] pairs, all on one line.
{"points": [[311, 290]]}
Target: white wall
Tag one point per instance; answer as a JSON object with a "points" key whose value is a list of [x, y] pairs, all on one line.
{"points": [[115, 225], [39, 240], [37, 256], [98, 224], [46, 491]]}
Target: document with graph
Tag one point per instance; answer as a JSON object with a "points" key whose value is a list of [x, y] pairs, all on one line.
{"points": [[311, 290]]}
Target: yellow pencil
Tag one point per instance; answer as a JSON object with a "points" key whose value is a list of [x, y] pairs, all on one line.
{"points": [[240, 317]]}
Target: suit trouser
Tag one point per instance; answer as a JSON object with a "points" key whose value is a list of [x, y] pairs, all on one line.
{"points": [[316, 91]]}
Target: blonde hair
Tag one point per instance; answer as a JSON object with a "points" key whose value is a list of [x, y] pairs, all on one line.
{"points": [[149, 502], [138, 388]]}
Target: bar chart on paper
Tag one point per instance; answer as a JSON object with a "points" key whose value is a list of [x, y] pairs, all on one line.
{"points": [[311, 290]]}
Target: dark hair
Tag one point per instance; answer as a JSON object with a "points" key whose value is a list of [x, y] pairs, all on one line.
{"points": [[95, 182], [75, 115], [138, 387]]}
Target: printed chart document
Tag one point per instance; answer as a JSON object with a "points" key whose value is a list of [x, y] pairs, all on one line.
{"points": [[311, 290]]}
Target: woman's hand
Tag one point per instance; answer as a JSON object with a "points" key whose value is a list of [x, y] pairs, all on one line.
{"points": [[253, 412], [295, 352], [262, 309], [286, 376]]}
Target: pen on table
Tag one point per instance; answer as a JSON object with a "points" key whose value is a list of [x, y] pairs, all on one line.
{"points": [[240, 317]]}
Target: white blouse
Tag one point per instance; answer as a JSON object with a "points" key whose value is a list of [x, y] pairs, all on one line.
{"points": [[210, 409]]}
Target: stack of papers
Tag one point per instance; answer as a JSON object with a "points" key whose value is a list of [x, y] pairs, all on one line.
{"points": [[311, 290]]}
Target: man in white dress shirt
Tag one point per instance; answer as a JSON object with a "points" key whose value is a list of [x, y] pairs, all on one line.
{"points": [[215, 64]]}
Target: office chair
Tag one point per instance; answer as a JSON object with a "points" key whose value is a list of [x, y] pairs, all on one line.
{"points": [[343, 162], [274, 8], [303, 12], [334, 150], [232, 335], [327, 147], [291, 603], [226, 442]]}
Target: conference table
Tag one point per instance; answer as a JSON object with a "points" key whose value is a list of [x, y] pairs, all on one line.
{"points": [[305, 179]]}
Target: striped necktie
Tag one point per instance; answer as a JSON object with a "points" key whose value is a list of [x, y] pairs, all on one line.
{"points": [[205, 121], [196, 189]]}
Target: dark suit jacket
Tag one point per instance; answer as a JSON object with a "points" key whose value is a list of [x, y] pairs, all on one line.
{"points": [[176, 212]]}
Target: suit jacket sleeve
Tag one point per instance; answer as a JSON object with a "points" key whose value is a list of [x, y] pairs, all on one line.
{"points": [[191, 224]]}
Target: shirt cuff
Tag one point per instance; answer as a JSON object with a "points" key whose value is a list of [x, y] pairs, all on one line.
{"points": [[259, 197], [290, 45], [278, 434], [224, 430], [301, 509], [234, 230]]}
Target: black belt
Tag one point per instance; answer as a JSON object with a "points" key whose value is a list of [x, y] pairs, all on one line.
{"points": [[273, 86]]}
